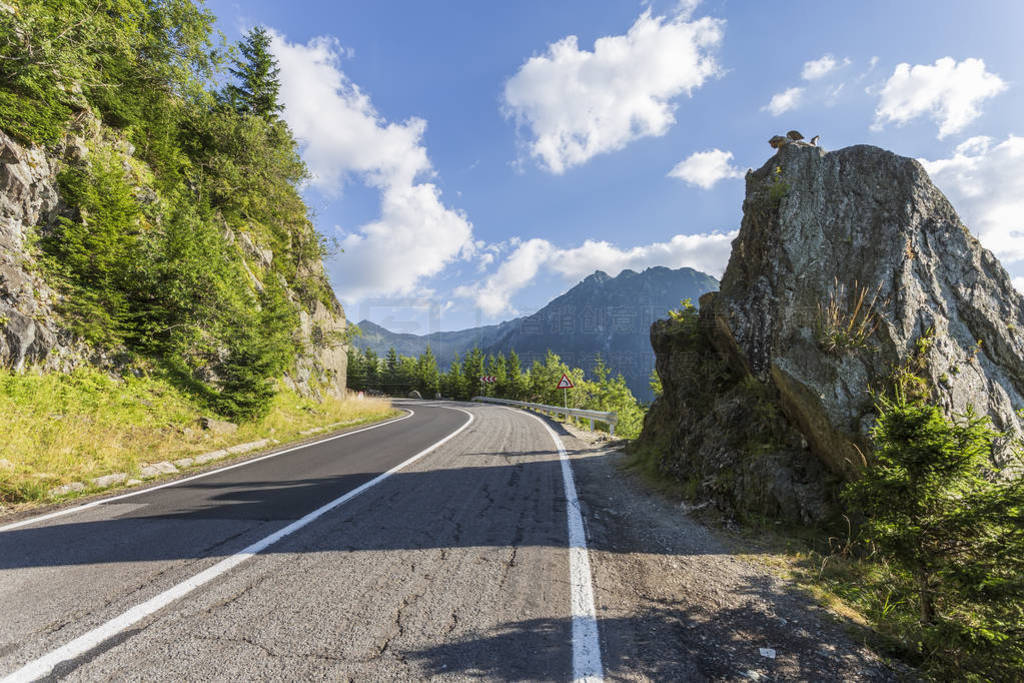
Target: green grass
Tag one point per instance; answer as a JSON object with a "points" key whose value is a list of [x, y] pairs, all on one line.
{"points": [[62, 428]]}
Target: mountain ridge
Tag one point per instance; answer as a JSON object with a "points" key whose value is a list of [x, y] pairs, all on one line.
{"points": [[601, 314]]}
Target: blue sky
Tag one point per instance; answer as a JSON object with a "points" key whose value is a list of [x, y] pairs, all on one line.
{"points": [[474, 160]]}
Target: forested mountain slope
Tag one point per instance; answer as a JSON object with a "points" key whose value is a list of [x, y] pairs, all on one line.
{"points": [[150, 219]]}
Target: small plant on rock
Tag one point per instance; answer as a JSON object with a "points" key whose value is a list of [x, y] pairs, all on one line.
{"points": [[779, 187], [847, 321]]}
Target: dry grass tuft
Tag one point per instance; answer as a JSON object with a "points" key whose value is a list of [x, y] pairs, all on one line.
{"points": [[847, 321]]}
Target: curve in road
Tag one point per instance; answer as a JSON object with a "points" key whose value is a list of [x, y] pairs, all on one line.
{"points": [[487, 511]]}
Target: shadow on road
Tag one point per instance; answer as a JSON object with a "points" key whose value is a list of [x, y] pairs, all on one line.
{"points": [[662, 641], [521, 503]]}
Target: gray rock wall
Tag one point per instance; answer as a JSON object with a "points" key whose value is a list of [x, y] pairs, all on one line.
{"points": [[29, 331]]}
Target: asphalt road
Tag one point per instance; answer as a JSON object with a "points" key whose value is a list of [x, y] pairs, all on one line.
{"points": [[458, 565]]}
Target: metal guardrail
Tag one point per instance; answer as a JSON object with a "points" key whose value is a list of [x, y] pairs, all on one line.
{"points": [[611, 419]]}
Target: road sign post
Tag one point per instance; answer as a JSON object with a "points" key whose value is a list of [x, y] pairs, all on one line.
{"points": [[565, 384]]}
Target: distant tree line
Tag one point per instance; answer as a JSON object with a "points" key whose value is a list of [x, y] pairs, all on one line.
{"points": [[398, 375]]}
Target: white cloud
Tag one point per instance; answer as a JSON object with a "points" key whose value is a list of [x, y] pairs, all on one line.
{"points": [[949, 92], [343, 136], [704, 169], [784, 101], [986, 185], [577, 104], [706, 252], [818, 68]]}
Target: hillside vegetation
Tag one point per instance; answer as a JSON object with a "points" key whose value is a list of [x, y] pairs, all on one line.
{"points": [[183, 247], [174, 270]]}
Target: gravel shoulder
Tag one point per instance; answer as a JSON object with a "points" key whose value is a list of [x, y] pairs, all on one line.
{"points": [[676, 602]]}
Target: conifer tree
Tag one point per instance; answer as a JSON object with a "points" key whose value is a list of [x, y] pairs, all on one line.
{"points": [[259, 85], [390, 370], [372, 364], [455, 382], [516, 379], [427, 375]]}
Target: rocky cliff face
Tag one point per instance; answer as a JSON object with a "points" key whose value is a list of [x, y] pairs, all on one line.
{"points": [[850, 268], [31, 333]]}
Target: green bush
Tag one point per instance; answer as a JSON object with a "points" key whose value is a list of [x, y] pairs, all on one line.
{"points": [[32, 121], [934, 509]]}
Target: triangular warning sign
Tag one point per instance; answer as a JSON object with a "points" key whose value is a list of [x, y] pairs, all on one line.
{"points": [[565, 382]]}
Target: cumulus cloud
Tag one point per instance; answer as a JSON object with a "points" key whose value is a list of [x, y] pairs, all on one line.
{"points": [[576, 104], [343, 137], [784, 101], [818, 68], [985, 182], [704, 169], [950, 93], [707, 252]]}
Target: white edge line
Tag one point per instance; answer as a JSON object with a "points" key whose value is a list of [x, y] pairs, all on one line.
{"points": [[43, 666], [122, 496], [586, 646]]}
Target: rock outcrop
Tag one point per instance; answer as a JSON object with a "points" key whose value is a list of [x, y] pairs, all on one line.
{"points": [[850, 268], [29, 333]]}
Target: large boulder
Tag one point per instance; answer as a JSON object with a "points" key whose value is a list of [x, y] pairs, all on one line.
{"points": [[850, 269]]}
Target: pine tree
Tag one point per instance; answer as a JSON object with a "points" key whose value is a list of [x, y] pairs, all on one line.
{"points": [[654, 381], [356, 370], [391, 371], [257, 72], [372, 362], [473, 370], [455, 382], [498, 367], [516, 379], [427, 375]]}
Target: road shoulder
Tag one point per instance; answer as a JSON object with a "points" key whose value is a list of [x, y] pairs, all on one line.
{"points": [[676, 602]]}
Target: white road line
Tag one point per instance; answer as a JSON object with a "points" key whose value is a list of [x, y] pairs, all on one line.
{"points": [[101, 501], [43, 666], [586, 647]]}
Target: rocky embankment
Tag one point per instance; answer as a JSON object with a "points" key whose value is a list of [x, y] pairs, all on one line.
{"points": [[31, 330], [851, 271]]}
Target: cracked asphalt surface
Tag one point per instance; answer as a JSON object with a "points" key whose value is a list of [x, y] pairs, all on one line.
{"points": [[456, 567]]}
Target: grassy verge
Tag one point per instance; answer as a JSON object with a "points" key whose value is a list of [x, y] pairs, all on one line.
{"points": [[61, 428]]}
